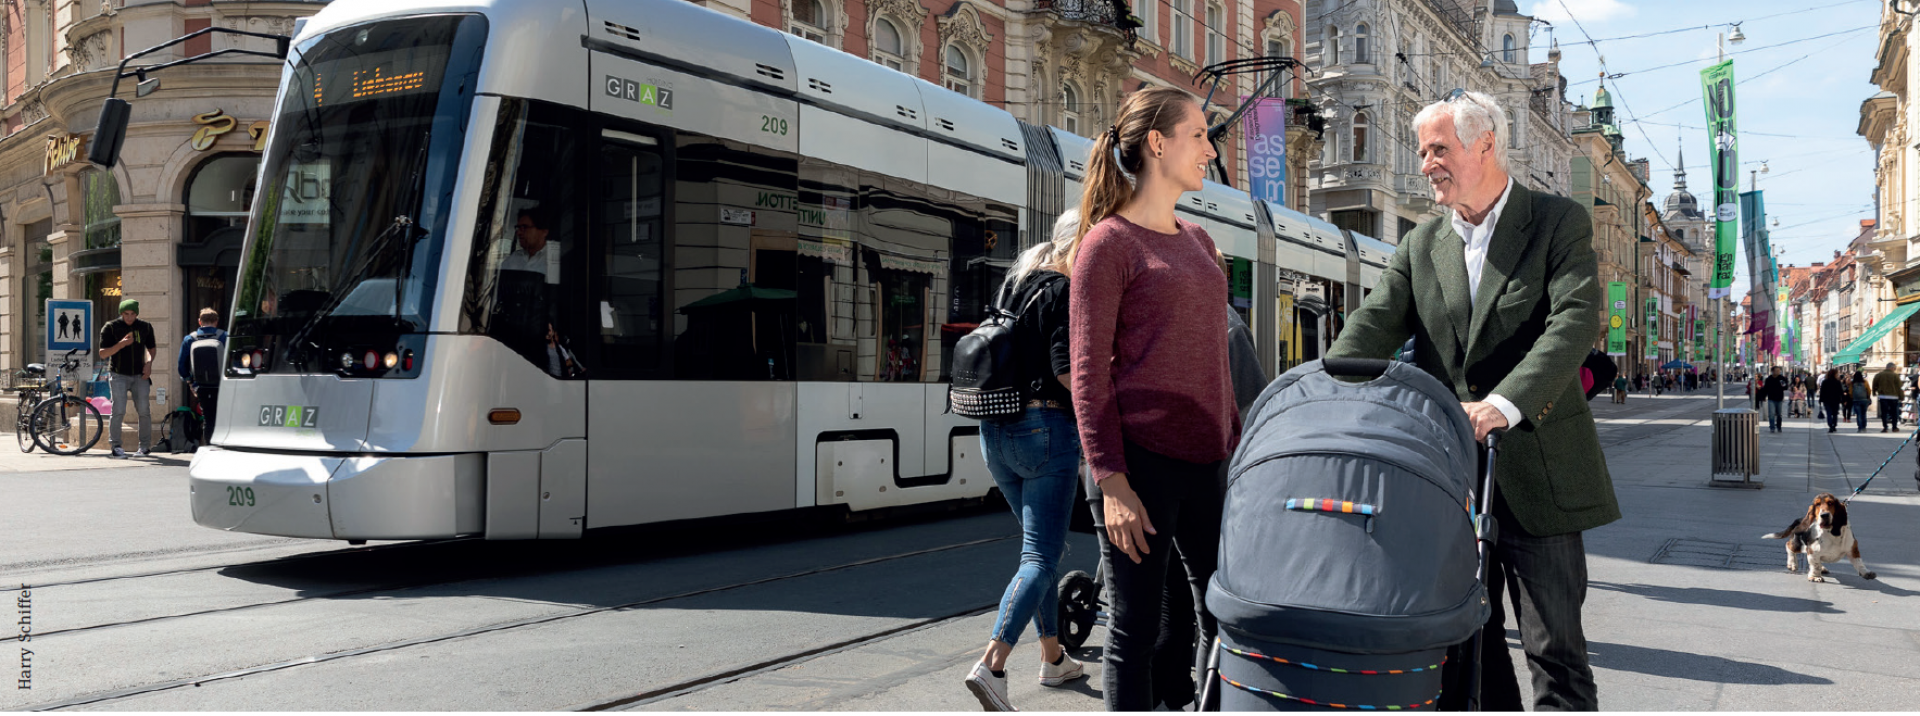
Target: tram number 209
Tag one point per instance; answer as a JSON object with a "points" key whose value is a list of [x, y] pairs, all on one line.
{"points": [[773, 125], [240, 496]]}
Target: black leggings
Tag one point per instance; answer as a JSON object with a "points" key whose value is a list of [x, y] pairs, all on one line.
{"points": [[1183, 501]]}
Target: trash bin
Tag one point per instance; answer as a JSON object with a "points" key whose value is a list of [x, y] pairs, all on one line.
{"points": [[1736, 448]]}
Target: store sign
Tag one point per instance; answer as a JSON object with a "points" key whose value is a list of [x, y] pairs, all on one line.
{"points": [[212, 125], [63, 150]]}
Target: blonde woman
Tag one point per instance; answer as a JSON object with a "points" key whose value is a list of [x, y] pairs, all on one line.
{"points": [[1151, 387], [1035, 459]]}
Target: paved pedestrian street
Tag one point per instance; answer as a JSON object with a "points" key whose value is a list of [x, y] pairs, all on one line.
{"points": [[136, 608]]}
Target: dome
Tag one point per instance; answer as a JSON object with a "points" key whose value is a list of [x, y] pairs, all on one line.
{"points": [[1602, 99], [1682, 205]]}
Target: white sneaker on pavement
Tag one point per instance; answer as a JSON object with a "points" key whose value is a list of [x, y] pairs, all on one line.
{"points": [[1061, 673], [989, 689]]}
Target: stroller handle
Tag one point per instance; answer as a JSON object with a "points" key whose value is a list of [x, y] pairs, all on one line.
{"points": [[1356, 367]]}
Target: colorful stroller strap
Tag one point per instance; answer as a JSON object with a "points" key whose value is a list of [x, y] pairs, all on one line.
{"points": [[1323, 505]]}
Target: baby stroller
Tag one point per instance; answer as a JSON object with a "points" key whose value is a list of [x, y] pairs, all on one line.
{"points": [[1348, 560]]}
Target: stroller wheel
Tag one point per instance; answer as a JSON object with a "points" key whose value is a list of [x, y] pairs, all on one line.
{"points": [[1079, 608]]}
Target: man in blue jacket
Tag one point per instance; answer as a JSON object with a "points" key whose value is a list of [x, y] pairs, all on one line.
{"points": [[201, 358]]}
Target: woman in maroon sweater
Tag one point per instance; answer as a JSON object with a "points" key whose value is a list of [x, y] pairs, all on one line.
{"points": [[1151, 387]]}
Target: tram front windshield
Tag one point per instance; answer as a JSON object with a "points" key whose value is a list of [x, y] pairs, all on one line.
{"points": [[348, 231]]}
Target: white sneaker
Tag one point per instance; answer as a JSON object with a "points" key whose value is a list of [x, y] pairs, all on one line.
{"points": [[989, 689], [1059, 674]]}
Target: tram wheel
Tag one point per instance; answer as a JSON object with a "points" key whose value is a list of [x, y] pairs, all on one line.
{"points": [[1079, 608]]}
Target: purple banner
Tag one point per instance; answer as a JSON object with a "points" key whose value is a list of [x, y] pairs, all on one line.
{"points": [[1266, 125]]}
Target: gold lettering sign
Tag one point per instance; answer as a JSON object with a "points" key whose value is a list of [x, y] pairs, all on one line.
{"points": [[258, 131], [214, 124], [63, 150]]}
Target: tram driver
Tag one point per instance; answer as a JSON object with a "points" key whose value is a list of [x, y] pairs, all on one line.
{"points": [[528, 307]]}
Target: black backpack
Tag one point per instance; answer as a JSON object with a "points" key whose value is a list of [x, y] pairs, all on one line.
{"points": [[987, 380]]}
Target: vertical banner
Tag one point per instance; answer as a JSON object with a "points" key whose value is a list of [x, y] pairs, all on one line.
{"points": [[1759, 256], [1700, 337], [1616, 318], [1266, 126], [1653, 328], [1724, 153]]}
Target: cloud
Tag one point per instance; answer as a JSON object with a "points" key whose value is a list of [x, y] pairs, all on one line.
{"points": [[1590, 12]]}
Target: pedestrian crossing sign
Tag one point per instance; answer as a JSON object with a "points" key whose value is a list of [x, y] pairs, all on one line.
{"points": [[69, 326]]}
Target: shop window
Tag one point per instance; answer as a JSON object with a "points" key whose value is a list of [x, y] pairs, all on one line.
{"points": [[36, 287], [100, 192]]}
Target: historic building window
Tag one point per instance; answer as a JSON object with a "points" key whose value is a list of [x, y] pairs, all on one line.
{"points": [[887, 47], [1360, 54], [1282, 87], [1216, 42], [1149, 12], [1513, 131], [1330, 52], [959, 72], [1069, 108], [101, 192], [1360, 128], [36, 287], [810, 20], [1506, 49], [39, 32], [1182, 41]]}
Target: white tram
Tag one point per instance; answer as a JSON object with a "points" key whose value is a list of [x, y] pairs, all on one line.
{"points": [[521, 268]]}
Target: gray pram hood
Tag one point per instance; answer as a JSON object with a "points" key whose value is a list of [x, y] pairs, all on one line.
{"points": [[1397, 582]]}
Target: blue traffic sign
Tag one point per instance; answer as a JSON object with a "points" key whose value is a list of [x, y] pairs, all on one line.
{"points": [[69, 325]]}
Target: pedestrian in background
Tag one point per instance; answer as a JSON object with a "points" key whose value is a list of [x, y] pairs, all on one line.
{"points": [[1151, 384], [1859, 396], [1536, 310], [1886, 388], [1035, 459], [129, 345], [1620, 389], [202, 357], [1774, 391], [1833, 393]]}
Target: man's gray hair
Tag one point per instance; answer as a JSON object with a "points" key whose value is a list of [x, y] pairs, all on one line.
{"points": [[1474, 114]]}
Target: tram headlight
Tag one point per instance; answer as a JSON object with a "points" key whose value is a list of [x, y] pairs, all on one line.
{"points": [[260, 361], [392, 359], [246, 360], [346, 361]]}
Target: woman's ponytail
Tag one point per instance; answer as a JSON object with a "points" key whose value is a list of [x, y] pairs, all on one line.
{"points": [[1120, 153]]}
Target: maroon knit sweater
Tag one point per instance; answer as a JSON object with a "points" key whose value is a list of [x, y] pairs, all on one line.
{"points": [[1150, 346]]}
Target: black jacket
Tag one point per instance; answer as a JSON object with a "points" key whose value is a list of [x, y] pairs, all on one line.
{"points": [[1775, 388], [1833, 391]]}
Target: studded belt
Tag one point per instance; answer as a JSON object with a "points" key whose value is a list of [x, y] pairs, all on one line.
{"points": [[1049, 404]]}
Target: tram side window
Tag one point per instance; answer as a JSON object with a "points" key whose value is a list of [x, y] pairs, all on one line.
{"points": [[735, 245], [631, 253], [825, 274], [524, 242], [983, 251], [905, 246]]}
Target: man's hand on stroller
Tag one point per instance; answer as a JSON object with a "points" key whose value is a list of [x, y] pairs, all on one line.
{"points": [[1486, 419], [1126, 519]]}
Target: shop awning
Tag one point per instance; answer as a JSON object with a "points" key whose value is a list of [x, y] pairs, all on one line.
{"points": [[1879, 330]]}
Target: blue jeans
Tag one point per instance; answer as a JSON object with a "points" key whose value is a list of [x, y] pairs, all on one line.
{"points": [[1860, 413], [1773, 414], [1035, 459]]}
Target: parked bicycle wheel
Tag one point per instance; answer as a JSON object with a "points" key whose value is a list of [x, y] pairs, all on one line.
{"points": [[23, 423], [67, 425]]}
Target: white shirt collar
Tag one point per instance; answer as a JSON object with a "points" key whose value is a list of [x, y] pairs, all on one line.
{"points": [[1483, 232]]}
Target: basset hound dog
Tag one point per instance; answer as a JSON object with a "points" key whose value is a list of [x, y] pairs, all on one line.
{"points": [[1823, 535]]}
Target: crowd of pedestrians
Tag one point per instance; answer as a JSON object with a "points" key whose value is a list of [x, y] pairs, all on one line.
{"points": [[1141, 369]]}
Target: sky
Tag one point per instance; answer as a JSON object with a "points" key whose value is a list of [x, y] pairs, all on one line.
{"points": [[1799, 119]]}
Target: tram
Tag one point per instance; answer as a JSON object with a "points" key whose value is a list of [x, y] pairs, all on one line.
{"points": [[524, 268]]}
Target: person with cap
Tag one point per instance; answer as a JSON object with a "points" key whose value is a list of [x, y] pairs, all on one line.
{"points": [[129, 344]]}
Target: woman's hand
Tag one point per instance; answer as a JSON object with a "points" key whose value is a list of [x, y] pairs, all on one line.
{"points": [[1126, 519]]}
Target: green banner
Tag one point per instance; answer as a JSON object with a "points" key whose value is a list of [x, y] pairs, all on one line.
{"points": [[1653, 328], [1616, 318], [1723, 152], [1700, 336]]}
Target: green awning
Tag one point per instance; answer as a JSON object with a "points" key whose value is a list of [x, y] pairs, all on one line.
{"points": [[1879, 330]]}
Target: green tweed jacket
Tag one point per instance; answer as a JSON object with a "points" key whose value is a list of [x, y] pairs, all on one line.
{"points": [[1525, 337]]}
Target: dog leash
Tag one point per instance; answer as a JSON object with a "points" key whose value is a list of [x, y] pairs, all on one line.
{"points": [[1883, 466]]}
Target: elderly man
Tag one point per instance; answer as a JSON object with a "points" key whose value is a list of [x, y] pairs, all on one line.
{"points": [[1503, 298], [1886, 391]]}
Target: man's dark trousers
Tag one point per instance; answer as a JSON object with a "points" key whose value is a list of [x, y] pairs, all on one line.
{"points": [[1547, 577], [208, 399]]}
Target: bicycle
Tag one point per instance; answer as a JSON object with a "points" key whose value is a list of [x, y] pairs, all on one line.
{"points": [[59, 423], [28, 385]]}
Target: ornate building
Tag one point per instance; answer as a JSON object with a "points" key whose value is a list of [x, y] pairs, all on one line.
{"points": [[1611, 187], [1376, 63]]}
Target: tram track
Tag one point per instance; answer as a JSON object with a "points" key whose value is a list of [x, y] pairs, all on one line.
{"points": [[664, 692]]}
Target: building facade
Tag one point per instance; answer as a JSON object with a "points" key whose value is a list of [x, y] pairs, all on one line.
{"points": [[1605, 181], [165, 225], [1377, 63]]}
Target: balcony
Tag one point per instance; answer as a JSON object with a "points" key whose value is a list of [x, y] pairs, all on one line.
{"points": [[1092, 12], [1413, 191]]}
